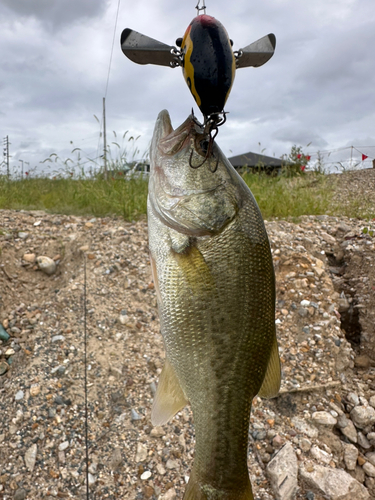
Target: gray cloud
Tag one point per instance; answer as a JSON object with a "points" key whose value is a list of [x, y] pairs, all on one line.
{"points": [[55, 13]]}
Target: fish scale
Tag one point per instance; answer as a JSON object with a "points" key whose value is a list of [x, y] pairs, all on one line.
{"points": [[214, 276]]}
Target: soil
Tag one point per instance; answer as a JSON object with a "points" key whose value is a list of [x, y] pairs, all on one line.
{"points": [[102, 290]]}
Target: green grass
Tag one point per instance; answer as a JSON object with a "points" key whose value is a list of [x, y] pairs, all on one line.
{"points": [[79, 197], [282, 197]]}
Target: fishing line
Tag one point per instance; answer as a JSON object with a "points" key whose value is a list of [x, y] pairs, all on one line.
{"points": [[85, 377], [113, 43]]}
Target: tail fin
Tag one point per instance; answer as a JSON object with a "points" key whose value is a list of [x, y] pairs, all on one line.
{"points": [[197, 490]]}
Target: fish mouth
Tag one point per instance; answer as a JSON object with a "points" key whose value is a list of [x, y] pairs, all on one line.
{"points": [[170, 141]]}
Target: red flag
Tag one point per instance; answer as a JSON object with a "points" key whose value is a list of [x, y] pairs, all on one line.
{"points": [[364, 157]]}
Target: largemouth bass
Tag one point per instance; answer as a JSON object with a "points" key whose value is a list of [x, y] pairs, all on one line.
{"points": [[215, 285]]}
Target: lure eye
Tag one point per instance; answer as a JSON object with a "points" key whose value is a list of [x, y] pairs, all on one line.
{"points": [[231, 42], [179, 42]]}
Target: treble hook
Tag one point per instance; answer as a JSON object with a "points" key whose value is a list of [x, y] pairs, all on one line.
{"points": [[208, 152], [201, 8]]}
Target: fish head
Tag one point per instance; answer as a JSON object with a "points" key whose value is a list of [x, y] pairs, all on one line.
{"points": [[189, 190]]}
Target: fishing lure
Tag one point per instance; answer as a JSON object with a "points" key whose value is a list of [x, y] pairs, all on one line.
{"points": [[207, 59]]}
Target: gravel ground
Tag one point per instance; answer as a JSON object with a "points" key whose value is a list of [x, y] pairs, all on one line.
{"points": [[325, 282]]}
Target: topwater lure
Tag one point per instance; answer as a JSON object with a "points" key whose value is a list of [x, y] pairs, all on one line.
{"points": [[207, 59]]}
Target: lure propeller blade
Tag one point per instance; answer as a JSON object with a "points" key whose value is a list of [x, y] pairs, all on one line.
{"points": [[257, 53], [142, 49]]}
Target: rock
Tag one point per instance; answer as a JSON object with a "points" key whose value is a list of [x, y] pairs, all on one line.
{"points": [[302, 426], [116, 459], [320, 455], [369, 469], [20, 494], [141, 453], [172, 464], [333, 484], [350, 431], [353, 398], [30, 457], [135, 416], [363, 441], [363, 416], [350, 456], [160, 469], [29, 257], [4, 367], [305, 444], [146, 475], [46, 264], [4, 335], [169, 495], [19, 395], [372, 401], [63, 446], [34, 390], [371, 457], [323, 418], [362, 361], [157, 432], [282, 471]]}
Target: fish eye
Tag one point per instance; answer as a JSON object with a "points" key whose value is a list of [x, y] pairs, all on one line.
{"points": [[231, 42], [179, 42]]}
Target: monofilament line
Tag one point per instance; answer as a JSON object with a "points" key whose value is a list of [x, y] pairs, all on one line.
{"points": [[85, 359]]}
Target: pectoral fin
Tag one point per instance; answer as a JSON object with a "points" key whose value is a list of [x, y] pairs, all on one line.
{"points": [[169, 397], [272, 379]]}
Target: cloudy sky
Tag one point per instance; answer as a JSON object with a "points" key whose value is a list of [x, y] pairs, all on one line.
{"points": [[319, 87]]}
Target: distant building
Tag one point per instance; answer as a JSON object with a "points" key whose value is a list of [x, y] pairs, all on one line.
{"points": [[253, 160]]}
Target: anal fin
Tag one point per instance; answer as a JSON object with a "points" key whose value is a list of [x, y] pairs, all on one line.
{"points": [[169, 397], [272, 379]]}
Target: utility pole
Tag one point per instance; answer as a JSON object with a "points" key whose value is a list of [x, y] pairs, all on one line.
{"points": [[104, 141], [6, 154]]}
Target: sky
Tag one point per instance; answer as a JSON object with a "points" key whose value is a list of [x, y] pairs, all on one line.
{"points": [[316, 92]]}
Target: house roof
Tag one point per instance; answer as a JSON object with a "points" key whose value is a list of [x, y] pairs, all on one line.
{"points": [[254, 159]]}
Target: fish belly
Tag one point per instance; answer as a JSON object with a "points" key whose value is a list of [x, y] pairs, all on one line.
{"points": [[216, 304]]}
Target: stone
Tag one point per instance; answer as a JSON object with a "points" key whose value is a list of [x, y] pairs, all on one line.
{"points": [[46, 265], [34, 390], [363, 416], [29, 257], [323, 418], [372, 401], [362, 361], [282, 471], [363, 441], [146, 475], [19, 395], [141, 453], [63, 446], [20, 494], [172, 464], [30, 457], [302, 426], [4, 367], [116, 459], [4, 335], [350, 431], [369, 469], [333, 484], [305, 444], [169, 495], [157, 432], [320, 455], [350, 456], [371, 457], [353, 398]]}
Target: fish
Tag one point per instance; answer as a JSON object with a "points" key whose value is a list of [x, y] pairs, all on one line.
{"points": [[215, 285]]}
